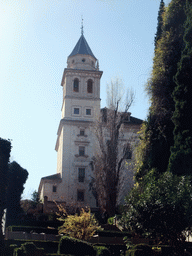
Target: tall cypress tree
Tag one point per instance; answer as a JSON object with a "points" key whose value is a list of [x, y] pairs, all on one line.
{"points": [[158, 133], [16, 181], [160, 22], [181, 153]]}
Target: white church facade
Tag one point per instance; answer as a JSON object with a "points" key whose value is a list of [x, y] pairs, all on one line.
{"points": [[76, 143]]}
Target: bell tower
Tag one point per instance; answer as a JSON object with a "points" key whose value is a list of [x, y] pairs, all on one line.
{"points": [[75, 141]]}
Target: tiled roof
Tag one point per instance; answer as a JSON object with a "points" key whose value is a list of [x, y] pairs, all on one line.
{"points": [[82, 47], [52, 177]]}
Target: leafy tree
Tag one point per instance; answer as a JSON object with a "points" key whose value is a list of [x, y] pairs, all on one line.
{"points": [[81, 227], [181, 153], [163, 209], [35, 198], [16, 181], [111, 154], [5, 149], [160, 22]]}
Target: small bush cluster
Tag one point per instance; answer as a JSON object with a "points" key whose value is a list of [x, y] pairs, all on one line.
{"points": [[28, 249], [140, 250], [78, 247], [102, 251], [74, 246]]}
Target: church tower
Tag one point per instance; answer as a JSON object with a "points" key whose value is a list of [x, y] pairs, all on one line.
{"points": [[75, 143]]}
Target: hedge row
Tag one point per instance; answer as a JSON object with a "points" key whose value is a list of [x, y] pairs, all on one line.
{"points": [[109, 233], [38, 230], [49, 246], [29, 249], [33, 223], [68, 245]]}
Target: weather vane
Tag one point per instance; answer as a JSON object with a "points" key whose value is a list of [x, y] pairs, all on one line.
{"points": [[81, 25]]}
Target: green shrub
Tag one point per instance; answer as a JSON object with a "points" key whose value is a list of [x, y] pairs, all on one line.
{"points": [[68, 245], [110, 220], [28, 249], [19, 252], [81, 227], [48, 246], [140, 250], [10, 249], [102, 251]]}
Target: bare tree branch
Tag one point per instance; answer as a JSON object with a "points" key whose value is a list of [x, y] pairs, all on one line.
{"points": [[110, 158]]}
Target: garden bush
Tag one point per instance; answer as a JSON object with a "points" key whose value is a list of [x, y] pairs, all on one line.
{"points": [[49, 246], [81, 227], [69, 245], [140, 250], [10, 249], [110, 220], [28, 249], [101, 251]]}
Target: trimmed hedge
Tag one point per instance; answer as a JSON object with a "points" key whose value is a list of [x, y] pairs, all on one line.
{"points": [[68, 245], [34, 223], [49, 246], [109, 233], [29, 229], [29, 249]]}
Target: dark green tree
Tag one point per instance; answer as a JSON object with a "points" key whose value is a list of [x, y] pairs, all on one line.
{"points": [[160, 22], [163, 210], [158, 131], [35, 200], [162, 197], [5, 149], [16, 181], [181, 153]]}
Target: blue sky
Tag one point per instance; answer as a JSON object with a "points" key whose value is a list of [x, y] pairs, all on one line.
{"points": [[36, 36]]}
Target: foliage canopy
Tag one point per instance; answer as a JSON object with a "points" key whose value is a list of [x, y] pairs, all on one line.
{"points": [[160, 205], [163, 209]]}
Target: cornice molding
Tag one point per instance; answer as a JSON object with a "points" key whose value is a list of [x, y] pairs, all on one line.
{"points": [[81, 72], [81, 98]]}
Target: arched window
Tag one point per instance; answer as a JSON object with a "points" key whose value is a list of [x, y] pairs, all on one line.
{"points": [[90, 86], [76, 85]]}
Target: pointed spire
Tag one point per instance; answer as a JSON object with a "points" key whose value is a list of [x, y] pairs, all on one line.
{"points": [[82, 46]]}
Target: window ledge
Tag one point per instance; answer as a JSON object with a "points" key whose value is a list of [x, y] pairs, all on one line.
{"points": [[81, 156]]}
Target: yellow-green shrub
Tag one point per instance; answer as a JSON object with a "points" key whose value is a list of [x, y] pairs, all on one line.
{"points": [[81, 227]]}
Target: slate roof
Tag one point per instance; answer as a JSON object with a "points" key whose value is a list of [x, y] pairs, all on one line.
{"points": [[82, 47]]}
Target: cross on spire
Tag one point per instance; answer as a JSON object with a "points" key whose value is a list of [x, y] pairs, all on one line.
{"points": [[82, 26]]}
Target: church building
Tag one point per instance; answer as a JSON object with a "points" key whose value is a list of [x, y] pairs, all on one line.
{"points": [[76, 143]]}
